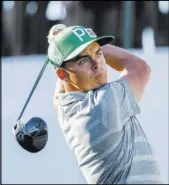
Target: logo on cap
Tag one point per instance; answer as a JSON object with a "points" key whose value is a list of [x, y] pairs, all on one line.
{"points": [[79, 32]]}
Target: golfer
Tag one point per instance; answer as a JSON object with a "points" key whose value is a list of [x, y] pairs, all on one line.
{"points": [[99, 117]]}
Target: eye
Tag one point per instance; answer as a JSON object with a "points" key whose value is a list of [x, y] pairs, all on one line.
{"points": [[82, 61], [99, 53]]}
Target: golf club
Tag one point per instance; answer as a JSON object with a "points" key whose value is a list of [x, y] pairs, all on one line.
{"points": [[34, 87], [32, 135]]}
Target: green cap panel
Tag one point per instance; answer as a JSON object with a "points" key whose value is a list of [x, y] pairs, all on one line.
{"points": [[70, 42]]}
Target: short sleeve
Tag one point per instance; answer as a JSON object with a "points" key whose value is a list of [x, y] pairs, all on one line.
{"points": [[125, 98], [113, 104]]}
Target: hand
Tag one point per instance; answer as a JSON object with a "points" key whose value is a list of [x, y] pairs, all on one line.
{"points": [[59, 86], [59, 89]]}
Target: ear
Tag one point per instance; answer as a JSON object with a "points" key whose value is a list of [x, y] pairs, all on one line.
{"points": [[61, 73]]}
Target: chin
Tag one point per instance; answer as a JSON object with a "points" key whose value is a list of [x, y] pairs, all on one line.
{"points": [[97, 83], [100, 84]]}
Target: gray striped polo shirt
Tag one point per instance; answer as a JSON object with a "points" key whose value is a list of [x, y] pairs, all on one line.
{"points": [[101, 128]]}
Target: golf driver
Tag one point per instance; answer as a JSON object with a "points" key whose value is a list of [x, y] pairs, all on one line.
{"points": [[32, 135]]}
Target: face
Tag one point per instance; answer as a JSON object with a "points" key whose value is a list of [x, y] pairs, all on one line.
{"points": [[88, 71]]}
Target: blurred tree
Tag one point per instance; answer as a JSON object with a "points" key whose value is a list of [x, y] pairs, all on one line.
{"points": [[99, 9], [148, 15], [162, 32], [25, 32], [25, 26], [12, 21], [37, 30]]}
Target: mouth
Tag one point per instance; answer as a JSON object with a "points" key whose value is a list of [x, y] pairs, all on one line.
{"points": [[98, 74]]}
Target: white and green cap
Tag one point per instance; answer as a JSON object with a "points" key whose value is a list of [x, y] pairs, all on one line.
{"points": [[71, 41]]}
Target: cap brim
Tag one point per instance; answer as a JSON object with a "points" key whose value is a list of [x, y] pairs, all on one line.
{"points": [[101, 40]]}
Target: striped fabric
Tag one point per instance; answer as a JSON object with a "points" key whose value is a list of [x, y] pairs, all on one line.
{"points": [[102, 130]]}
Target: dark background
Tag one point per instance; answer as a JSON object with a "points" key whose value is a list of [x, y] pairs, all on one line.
{"points": [[25, 25]]}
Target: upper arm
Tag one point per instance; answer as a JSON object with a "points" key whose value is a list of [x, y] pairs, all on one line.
{"points": [[137, 78]]}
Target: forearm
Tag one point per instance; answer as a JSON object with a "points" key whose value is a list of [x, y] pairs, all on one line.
{"points": [[135, 70], [120, 59]]}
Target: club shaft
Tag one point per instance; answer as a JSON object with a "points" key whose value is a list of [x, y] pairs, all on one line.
{"points": [[34, 87]]}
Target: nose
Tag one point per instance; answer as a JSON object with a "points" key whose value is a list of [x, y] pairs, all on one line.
{"points": [[94, 64]]}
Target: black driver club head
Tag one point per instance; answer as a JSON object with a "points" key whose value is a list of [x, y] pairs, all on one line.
{"points": [[31, 135]]}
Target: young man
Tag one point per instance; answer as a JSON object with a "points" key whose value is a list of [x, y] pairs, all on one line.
{"points": [[97, 117]]}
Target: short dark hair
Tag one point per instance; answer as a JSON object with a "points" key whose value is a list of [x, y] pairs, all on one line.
{"points": [[65, 62], [63, 65]]}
